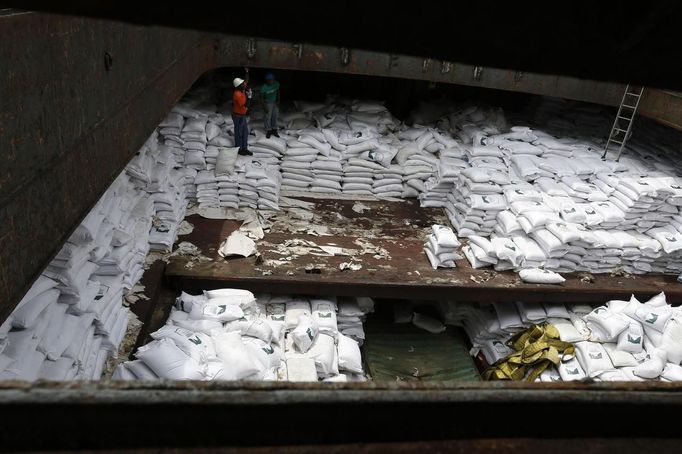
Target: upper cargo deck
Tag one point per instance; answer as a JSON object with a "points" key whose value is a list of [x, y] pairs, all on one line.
{"points": [[386, 239]]}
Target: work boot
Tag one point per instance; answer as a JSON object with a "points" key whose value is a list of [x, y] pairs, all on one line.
{"points": [[244, 152], [275, 133], [268, 134]]}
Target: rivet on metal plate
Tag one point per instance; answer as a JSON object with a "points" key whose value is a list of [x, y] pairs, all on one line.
{"points": [[108, 61], [299, 50], [345, 56], [250, 48], [478, 72]]}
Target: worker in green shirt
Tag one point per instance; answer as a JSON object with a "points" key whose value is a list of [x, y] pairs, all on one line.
{"points": [[269, 95]]}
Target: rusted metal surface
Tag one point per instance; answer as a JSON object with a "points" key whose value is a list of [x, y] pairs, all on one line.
{"points": [[239, 51], [466, 446], [236, 392], [68, 126], [587, 39], [663, 106], [106, 415], [399, 228]]}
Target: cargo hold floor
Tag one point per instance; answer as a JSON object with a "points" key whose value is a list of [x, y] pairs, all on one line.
{"points": [[386, 240]]}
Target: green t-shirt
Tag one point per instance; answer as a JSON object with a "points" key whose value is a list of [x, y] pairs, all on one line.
{"points": [[269, 92]]}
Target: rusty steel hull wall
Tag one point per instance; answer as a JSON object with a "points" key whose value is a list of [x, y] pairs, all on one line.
{"points": [[68, 125], [145, 415], [586, 39], [78, 97]]}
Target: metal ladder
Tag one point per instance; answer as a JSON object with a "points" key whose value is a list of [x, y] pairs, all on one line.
{"points": [[622, 125]]}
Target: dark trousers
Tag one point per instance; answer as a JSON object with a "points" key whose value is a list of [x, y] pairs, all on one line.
{"points": [[241, 131]]}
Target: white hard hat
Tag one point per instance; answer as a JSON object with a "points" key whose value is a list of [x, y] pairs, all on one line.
{"points": [[237, 82]]}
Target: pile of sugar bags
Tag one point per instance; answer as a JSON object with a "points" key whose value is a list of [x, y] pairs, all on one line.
{"points": [[348, 150], [229, 334], [201, 138], [243, 183], [619, 341], [563, 207], [153, 189], [312, 161], [73, 318], [548, 194]]}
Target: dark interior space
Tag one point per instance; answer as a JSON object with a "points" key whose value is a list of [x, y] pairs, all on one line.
{"points": [[401, 96], [602, 41]]}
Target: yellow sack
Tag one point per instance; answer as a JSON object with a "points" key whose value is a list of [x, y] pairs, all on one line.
{"points": [[534, 350]]}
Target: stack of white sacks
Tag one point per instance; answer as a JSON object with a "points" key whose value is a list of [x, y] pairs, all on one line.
{"points": [[347, 151], [311, 162], [619, 341], [560, 206], [201, 137], [352, 313], [441, 246], [73, 319], [228, 334], [261, 180]]}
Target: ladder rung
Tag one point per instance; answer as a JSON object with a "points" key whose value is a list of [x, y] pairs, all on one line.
{"points": [[628, 106], [620, 130], [624, 118], [634, 94], [615, 141]]}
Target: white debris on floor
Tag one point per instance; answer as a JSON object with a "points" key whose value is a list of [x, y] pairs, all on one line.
{"points": [[360, 208], [229, 334], [185, 228], [237, 244], [352, 266], [191, 253]]}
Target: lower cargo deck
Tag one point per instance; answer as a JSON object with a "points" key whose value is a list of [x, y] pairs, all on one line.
{"points": [[386, 239]]}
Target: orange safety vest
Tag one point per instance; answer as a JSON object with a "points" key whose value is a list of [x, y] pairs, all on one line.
{"points": [[239, 102]]}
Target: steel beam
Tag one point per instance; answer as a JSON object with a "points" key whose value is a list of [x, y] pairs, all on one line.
{"points": [[209, 414], [265, 53], [584, 39], [663, 106]]}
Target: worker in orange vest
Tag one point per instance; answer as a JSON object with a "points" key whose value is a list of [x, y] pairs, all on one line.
{"points": [[240, 110]]}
